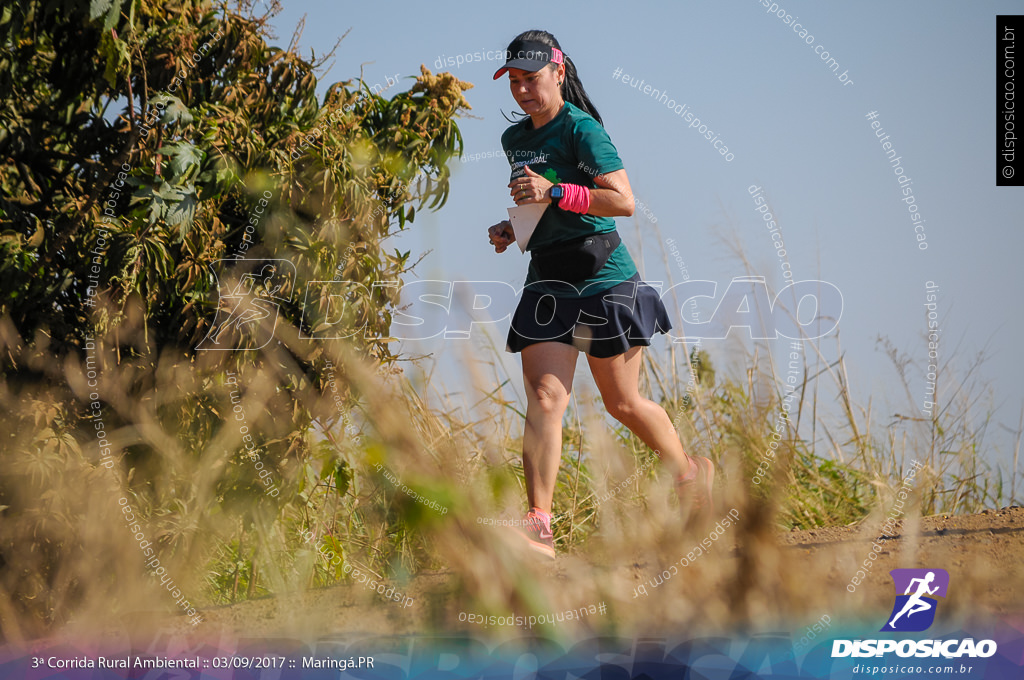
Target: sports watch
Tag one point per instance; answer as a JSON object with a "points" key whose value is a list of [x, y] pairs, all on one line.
{"points": [[556, 193]]}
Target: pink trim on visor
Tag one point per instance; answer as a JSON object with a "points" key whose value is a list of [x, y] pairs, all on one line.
{"points": [[556, 56]]}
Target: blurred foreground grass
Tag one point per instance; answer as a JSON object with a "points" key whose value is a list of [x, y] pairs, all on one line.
{"points": [[392, 483]]}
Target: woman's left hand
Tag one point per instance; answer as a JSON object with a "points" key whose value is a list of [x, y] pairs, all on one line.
{"points": [[530, 188]]}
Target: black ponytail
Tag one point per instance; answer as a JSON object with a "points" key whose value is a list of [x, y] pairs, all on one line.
{"points": [[573, 92], [572, 87]]}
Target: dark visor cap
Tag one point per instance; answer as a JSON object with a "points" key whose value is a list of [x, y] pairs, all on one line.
{"points": [[529, 55]]}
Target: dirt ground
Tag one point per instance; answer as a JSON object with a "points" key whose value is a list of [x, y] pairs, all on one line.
{"points": [[984, 551], [984, 555]]}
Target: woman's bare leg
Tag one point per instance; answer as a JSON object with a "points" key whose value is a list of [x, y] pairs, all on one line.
{"points": [[548, 369], [618, 379]]}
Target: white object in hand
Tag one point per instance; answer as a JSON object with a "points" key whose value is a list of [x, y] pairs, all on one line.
{"points": [[524, 219]]}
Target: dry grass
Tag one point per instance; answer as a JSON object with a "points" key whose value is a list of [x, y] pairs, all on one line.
{"points": [[69, 561]]}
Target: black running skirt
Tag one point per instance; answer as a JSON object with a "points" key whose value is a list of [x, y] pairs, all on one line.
{"points": [[603, 325]]}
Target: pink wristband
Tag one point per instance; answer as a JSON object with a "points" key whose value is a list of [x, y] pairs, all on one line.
{"points": [[576, 198]]}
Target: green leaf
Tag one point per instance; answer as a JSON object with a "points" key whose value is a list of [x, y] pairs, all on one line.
{"points": [[185, 157], [332, 543], [98, 7], [166, 192], [115, 53], [342, 478], [183, 213], [113, 14], [156, 210], [175, 111]]}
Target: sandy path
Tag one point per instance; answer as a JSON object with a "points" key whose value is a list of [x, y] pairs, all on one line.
{"points": [[984, 555]]}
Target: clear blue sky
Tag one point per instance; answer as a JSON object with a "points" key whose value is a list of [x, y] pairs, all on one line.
{"points": [[927, 68]]}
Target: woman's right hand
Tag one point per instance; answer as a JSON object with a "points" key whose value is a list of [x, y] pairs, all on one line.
{"points": [[501, 236]]}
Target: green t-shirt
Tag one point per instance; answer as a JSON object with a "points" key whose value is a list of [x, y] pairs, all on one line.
{"points": [[573, 148]]}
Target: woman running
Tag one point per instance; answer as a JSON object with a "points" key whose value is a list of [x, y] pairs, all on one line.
{"points": [[582, 290]]}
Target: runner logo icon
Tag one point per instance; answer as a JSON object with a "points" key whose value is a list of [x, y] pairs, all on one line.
{"points": [[914, 610], [250, 303]]}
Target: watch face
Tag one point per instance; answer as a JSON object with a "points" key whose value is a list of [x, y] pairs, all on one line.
{"points": [[556, 192]]}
